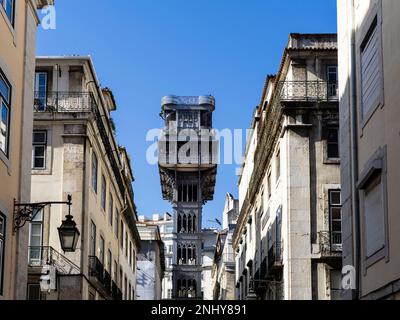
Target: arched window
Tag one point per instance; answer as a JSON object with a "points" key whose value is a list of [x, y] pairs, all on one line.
{"points": [[179, 255], [184, 224], [179, 222], [194, 223], [190, 226], [184, 255]]}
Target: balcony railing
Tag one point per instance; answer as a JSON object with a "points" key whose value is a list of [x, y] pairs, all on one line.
{"points": [[63, 102], [107, 281], [275, 257], [116, 293], [330, 245], [96, 269], [309, 91], [41, 256]]}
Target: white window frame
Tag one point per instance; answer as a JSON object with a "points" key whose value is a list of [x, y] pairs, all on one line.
{"points": [[38, 93], [11, 16], [6, 102], [37, 221], [335, 246], [39, 145]]}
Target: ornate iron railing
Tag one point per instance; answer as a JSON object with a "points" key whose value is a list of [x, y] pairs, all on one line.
{"points": [[116, 293], [41, 256], [329, 244], [107, 281], [63, 102], [96, 269], [188, 100], [275, 256], [109, 150], [308, 91]]}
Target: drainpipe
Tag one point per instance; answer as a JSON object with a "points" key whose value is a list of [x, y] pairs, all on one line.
{"points": [[354, 157]]}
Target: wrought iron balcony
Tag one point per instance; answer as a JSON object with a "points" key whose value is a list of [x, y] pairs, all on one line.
{"points": [[116, 293], [107, 281], [309, 91], [41, 256], [63, 102], [330, 245], [96, 269], [275, 259]]}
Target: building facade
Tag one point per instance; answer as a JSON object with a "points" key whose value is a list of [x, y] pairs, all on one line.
{"points": [[18, 24], [151, 262], [165, 224], [208, 240], [188, 174], [369, 59], [288, 235], [223, 271], [74, 152]]}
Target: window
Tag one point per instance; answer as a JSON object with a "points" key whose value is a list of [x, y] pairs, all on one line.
{"points": [[111, 210], [36, 239], [5, 105], [121, 277], [371, 70], [336, 284], [101, 248], [126, 244], [116, 223], [103, 192], [374, 217], [115, 271], [40, 91], [134, 260], [333, 142], [269, 185], [121, 238], [95, 165], [126, 288], [169, 295], [2, 241], [278, 165], [188, 119], [92, 245], [130, 291], [130, 253], [335, 212], [39, 150], [34, 292], [332, 79], [187, 192], [109, 261], [8, 6]]}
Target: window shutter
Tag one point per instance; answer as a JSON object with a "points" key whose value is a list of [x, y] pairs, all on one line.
{"points": [[370, 70], [374, 220]]}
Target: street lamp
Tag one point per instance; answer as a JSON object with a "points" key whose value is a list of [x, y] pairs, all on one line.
{"points": [[68, 232]]}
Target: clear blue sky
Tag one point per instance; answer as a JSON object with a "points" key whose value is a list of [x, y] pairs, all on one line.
{"points": [[145, 49]]}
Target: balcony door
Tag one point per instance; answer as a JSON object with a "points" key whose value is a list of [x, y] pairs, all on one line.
{"points": [[332, 82], [36, 240], [335, 210], [40, 91]]}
